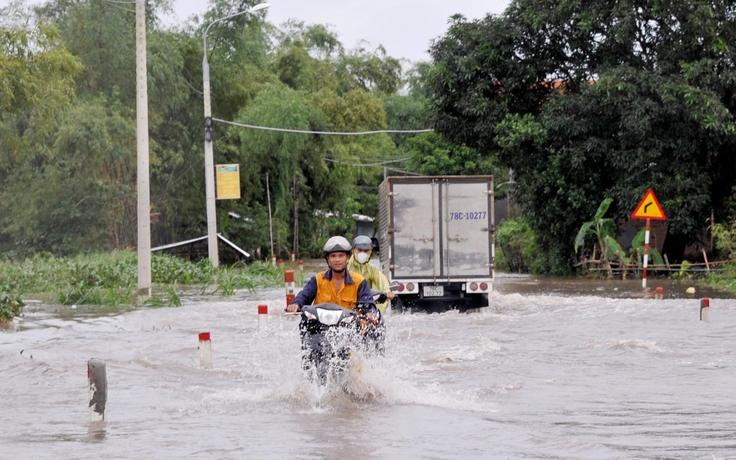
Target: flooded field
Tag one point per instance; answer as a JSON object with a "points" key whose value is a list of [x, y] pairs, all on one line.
{"points": [[556, 369]]}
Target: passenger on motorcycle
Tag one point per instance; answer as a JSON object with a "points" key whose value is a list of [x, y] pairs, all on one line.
{"points": [[360, 263], [336, 284]]}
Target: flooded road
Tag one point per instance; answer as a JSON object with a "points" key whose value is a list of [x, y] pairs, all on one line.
{"points": [[555, 369]]}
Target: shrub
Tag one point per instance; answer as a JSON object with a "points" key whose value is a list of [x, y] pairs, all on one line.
{"points": [[520, 251]]}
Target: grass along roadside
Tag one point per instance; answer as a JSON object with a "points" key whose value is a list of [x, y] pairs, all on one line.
{"points": [[111, 279], [724, 279]]}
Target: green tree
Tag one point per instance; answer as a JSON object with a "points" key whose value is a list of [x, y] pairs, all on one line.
{"points": [[431, 156], [84, 194], [36, 83], [68, 94], [594, 99], [36, 86]]}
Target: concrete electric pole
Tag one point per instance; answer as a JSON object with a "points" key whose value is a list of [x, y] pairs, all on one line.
{"points": [[144, 203]]}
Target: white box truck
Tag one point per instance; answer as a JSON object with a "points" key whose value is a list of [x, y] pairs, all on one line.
{"points": [[436, 241]]}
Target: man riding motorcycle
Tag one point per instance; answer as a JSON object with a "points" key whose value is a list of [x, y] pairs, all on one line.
{"points": [[360, 263], [336, 284]]}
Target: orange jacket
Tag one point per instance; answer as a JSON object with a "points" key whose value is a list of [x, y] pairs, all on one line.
{"points": [[319, 289]]}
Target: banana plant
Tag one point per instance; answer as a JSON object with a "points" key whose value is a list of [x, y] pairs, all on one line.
{"points": [[637, 245], [604, 230]]}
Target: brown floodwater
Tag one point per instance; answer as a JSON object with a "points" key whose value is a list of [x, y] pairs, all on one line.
{"points": [[553, 368]]}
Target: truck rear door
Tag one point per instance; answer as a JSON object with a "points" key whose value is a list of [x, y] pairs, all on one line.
{"points": [[466, 227], [416, 223]]}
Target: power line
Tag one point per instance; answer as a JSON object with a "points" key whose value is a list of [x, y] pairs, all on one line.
{"points": [[113, 4], [190, 86], [366, 164], [402, 171], [333, 133]]}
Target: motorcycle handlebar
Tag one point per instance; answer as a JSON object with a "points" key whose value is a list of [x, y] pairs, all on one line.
{"points": [[378, 296]]}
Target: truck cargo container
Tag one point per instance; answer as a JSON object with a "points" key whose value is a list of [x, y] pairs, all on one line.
{"points": [[436, 241]]}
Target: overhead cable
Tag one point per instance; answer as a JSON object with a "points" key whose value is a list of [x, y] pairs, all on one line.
{"points": [[332, 133], [366, 164], [113, 4]]}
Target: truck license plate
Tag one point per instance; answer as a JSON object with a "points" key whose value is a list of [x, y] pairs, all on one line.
{"points": [[434, 291]]}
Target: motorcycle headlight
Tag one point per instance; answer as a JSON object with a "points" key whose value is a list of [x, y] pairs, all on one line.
{"points": [[309, 316]]}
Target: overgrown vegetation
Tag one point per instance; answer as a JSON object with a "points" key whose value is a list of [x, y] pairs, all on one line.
{"points": [[111, 279], [725, 279], [606, 250], [724, 239], [596, 99], [603, 101], [603, 229], [520, 251], [724, 236], [11, 303], [67, 122]]}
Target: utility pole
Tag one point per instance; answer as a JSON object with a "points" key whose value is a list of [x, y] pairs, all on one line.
{"points": [[296, 219], [209, 162], [144, 202], [209, 155]]}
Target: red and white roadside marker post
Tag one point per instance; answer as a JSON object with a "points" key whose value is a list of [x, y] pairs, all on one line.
{"points": [[262, 316], [659, 293], [705, 310], [649, 209], [289, 283], [97, 379], [205, 350], [301, 265]]}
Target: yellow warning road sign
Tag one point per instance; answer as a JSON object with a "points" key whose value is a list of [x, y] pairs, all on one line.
{"points": [[649, 208]]}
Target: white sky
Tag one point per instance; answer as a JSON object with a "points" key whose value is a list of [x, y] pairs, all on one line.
{"points": [[404, 27]]}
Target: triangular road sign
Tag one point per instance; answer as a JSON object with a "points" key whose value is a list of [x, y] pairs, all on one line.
{"points": [[649, 208]]}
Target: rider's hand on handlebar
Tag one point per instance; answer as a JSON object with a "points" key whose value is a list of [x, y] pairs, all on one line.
{"points": [[390, 295], [293, 308]]}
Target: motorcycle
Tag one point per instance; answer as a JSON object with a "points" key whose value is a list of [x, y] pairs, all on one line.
{"points": [[331, 336]]}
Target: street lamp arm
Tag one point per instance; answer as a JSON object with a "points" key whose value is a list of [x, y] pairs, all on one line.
{"points": [[260, 6]]}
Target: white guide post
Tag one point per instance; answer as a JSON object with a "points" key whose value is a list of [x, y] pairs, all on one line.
{"points": [[205, 350], [144, 203], [97, 380]]}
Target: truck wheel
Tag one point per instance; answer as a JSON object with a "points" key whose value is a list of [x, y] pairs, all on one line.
{"points": [[475, 303], [397, 305]]}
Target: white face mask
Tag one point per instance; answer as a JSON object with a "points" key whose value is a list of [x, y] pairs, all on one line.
{"points": [[362, 257]]}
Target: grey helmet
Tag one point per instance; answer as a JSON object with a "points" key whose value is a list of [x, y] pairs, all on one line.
{"points": [[336, 244], [363, 242]]}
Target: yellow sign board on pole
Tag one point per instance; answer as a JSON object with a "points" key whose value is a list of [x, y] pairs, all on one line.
{"points": [[228, 182]]}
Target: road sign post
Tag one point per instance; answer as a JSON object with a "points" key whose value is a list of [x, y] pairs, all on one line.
{"points": [[646, 256], [649, 209]]}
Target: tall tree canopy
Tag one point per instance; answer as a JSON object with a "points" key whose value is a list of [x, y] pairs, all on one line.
{"points": [[595, 99], [68, 136]]}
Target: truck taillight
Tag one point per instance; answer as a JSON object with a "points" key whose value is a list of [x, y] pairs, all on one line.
{"points": [[484, 286], [401, 287], [410, 287], [473, 286]]}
